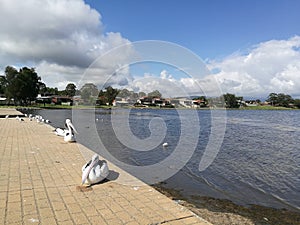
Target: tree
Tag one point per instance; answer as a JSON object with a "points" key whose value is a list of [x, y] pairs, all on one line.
{"points": [[297, 103], [86, 95], [51, 91], [142, 94], [231, 100], [70, 90], [111, 94], [89, 91], [22, 85], [108, 95], [92, 89], [29, 84], [2, 85], [154, 94], [124, 93], [10, 77], [284, 100], [42, 89], [280, 99], [273, 98]]}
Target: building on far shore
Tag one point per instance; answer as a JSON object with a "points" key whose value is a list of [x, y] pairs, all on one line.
{"points": [[55, 100]]}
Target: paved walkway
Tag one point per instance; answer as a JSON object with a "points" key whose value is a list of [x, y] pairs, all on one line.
{"points": [[39, 179], [11, 112]]}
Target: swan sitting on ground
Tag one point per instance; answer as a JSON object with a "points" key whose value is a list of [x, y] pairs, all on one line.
{"points": [[94, 171], [68, 133]]}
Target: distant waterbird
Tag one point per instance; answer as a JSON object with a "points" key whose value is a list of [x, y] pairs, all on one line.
{"points": [[165, 144]]}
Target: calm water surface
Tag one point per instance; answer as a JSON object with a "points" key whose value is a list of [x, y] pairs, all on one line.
{"points": [[258, 162]]}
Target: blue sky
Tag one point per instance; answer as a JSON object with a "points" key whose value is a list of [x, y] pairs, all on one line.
{"points": [[210, 28], [252, 47]]}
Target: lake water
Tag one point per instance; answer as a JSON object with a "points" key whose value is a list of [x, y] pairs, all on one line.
{"points": [[258, 161]]}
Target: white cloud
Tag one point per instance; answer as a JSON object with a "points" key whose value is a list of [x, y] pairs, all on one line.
{"points": [[61, 38], [272, 66], [58, 37]]}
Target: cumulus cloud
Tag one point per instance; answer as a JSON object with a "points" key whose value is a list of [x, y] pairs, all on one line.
{"points": [[59, 38], [272, 66]]}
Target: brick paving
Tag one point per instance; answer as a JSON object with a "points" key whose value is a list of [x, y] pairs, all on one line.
{"points": [[11, 112], [39, 179]]}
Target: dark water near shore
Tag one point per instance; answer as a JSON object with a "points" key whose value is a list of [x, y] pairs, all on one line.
{"points": [[258, 162]]}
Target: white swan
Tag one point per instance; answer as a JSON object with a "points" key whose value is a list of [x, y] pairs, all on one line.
{"points": [[94, 171], [68, 133]]}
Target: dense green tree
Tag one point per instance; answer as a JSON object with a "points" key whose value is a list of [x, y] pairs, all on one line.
{"points": [[280, 99], [29, 84], [108, 95], [10, 77], [273, 98], [231, 100], [22, 85], [51, 91], [70, 90], [42, 89], [297, 103], [111, 94], [62, 93], [2, 85], [284, 100]]}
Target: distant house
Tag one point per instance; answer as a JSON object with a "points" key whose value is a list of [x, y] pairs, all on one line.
{"points": [[251, 103], [122, 102], [57, 100], [44, 99], [62, 100], [146, 101], [149, 101]]}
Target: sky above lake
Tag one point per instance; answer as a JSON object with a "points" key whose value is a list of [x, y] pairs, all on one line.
{"points": [[249, 48]]}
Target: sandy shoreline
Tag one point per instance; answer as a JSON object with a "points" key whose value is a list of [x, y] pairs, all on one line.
{"points": [[225, 212]]}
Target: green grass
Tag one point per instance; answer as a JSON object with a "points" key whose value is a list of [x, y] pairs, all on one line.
{"points": [[265, 107]]}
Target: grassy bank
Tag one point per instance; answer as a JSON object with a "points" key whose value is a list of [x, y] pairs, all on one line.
{"points": [[265, 107]]}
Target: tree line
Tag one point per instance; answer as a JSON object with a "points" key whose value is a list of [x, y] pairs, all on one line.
{"points": [[274, 99], [24, 85], [21, 87]]}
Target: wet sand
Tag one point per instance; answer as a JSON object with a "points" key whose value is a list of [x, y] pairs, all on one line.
{"points": [[218, 211]]}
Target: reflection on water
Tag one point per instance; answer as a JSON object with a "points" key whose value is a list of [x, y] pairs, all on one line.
{"points": [[258, 163]]}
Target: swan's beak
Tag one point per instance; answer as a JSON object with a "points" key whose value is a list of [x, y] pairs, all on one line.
{"points": [[73, 128]]}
